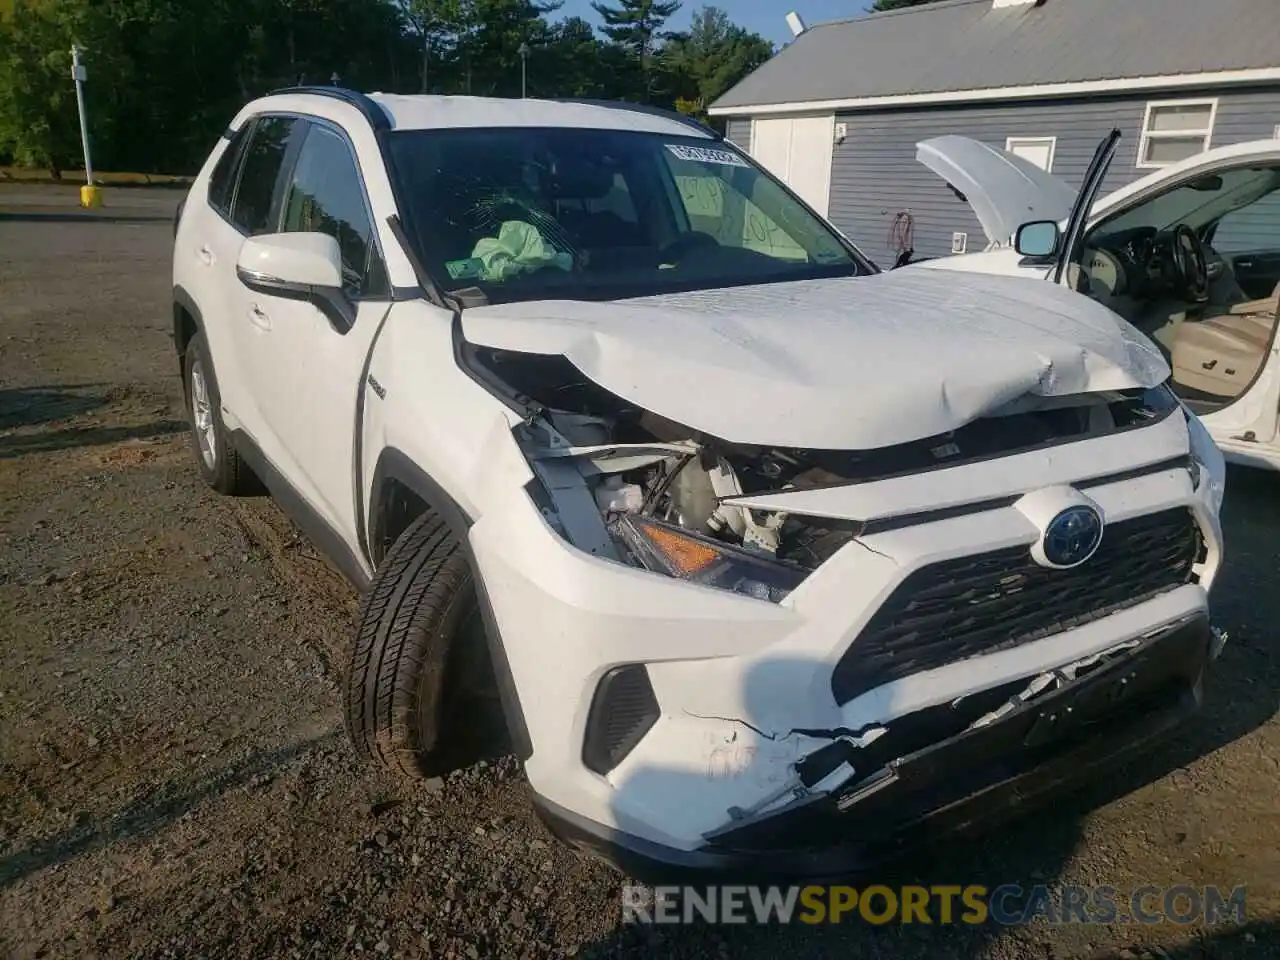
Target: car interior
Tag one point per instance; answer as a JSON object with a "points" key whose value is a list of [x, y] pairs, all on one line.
{"points": [[1197, 268]]}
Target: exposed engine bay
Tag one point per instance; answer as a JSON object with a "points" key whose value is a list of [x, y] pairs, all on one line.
{"points": [[667, 492]]}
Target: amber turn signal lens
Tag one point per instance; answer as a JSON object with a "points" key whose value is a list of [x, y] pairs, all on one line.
{"points": [[686, 555]]}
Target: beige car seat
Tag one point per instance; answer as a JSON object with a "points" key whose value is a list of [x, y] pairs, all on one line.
{"points": [[1221, 355]]}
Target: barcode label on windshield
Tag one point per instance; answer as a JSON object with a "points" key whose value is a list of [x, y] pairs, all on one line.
{"points": [[706, 155]]}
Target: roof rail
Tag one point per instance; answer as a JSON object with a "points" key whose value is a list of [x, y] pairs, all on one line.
{"points": [[644, 108], [376, 116]]}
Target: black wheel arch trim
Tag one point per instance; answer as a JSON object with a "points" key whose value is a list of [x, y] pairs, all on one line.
{"points": [[184, 301], [394, 464]]}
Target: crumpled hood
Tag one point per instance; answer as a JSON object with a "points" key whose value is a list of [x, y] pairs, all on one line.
{"points": [[853, 363]]}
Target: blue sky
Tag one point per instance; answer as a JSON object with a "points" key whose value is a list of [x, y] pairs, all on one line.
{"points": [[766, 17]]}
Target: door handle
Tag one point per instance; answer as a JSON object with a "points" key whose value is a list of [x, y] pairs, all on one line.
{"points": [[1244, 264], [205, 254], [258, 318]]}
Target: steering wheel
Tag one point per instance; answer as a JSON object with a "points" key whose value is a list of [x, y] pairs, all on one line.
{"points": [[1189, 265], [681, 247]]}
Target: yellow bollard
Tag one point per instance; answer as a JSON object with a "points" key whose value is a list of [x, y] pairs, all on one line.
{"points": [[90, 196]]}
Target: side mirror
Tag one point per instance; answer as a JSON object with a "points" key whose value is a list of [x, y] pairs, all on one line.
{"points": [[1038, 239], [298, 266]]}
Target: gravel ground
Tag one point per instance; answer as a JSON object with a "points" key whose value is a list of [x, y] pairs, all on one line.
{"points": [[174, 780]]}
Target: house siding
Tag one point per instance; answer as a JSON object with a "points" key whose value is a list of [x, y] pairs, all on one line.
{"points": [[738, 129], [875, 174]]}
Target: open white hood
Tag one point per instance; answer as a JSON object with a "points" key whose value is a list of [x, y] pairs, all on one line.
{"points": [[1004, 190], [847, 364]]}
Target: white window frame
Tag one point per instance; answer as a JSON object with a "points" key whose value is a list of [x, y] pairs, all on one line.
{"points": [[1051, 141], [1148, 135]]}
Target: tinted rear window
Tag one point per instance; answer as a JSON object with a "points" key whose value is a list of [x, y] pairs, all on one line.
{"points": [[222, 183]]}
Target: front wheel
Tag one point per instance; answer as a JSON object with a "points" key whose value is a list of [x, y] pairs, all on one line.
{"points": [[420, 697]]}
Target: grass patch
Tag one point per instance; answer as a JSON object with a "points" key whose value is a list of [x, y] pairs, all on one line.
{"points": [[74, 178]]}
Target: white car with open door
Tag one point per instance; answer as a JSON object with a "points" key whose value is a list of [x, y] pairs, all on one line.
{"points": [[583, 393], [1189, 255]]}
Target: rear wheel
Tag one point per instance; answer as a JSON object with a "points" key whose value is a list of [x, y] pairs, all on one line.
{"points": [[218, 460], [420, 698]]}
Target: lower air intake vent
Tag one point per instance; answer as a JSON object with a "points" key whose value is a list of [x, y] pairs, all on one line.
{"points": [[622, 711], [976, 605]]}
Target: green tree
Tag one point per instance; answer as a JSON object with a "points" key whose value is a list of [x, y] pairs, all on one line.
{"points": [[39, 125], [490, 50], [636, 27], [439, 26], [165, 76], [709, 58], [572, 62]]}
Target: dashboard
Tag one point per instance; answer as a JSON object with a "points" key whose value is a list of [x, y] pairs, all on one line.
{"points": [[1135, 263], [1126, 263]]}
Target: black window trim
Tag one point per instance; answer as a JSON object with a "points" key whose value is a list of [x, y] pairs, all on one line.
{"points": [[285, 164], [297, 137], [237, 163], [376, 245]]}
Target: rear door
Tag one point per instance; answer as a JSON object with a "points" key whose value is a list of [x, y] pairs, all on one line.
{"points": [[206, 243], [1257, 272], [1249, 238], [251, 210]]}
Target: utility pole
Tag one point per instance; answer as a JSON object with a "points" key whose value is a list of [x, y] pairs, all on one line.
{"points": [[524, 70], [90, 195], [426, 59]]}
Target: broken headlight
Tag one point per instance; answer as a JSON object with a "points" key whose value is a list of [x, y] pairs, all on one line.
{"points": [[1212, 468], [666, 548]]}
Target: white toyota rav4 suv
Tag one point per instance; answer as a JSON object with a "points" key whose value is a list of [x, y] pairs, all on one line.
{"points": [[783, 562]]}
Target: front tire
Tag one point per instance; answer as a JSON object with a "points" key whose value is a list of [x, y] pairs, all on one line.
{"points": [[217, 459], [420, 673]]}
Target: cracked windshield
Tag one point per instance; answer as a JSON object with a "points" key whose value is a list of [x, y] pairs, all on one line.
{"points": [[565, 213]]}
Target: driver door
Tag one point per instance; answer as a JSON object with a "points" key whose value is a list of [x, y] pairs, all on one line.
{"points": [[1222, 353], [1247, 424]]}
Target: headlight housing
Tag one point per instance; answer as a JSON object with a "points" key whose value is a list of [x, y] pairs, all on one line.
{"points": [[1208, 458], [667, 548]]}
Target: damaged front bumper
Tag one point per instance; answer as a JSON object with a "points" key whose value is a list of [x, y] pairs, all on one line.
{"points": [[982, 774], [695, 725]]}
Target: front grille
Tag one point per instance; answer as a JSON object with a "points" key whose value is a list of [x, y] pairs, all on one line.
{"points": [[976, 605]]}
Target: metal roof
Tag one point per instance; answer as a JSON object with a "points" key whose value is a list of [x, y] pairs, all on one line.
{"points": [[960, 45]]}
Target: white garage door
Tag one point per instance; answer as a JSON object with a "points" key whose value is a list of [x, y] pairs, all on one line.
{"points": [[797, 150]]}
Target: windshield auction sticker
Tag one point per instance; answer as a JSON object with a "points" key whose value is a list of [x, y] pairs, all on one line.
{"points": [[726, 158]]}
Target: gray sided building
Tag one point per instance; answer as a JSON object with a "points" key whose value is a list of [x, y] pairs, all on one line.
{"points": [[838, 112]]}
